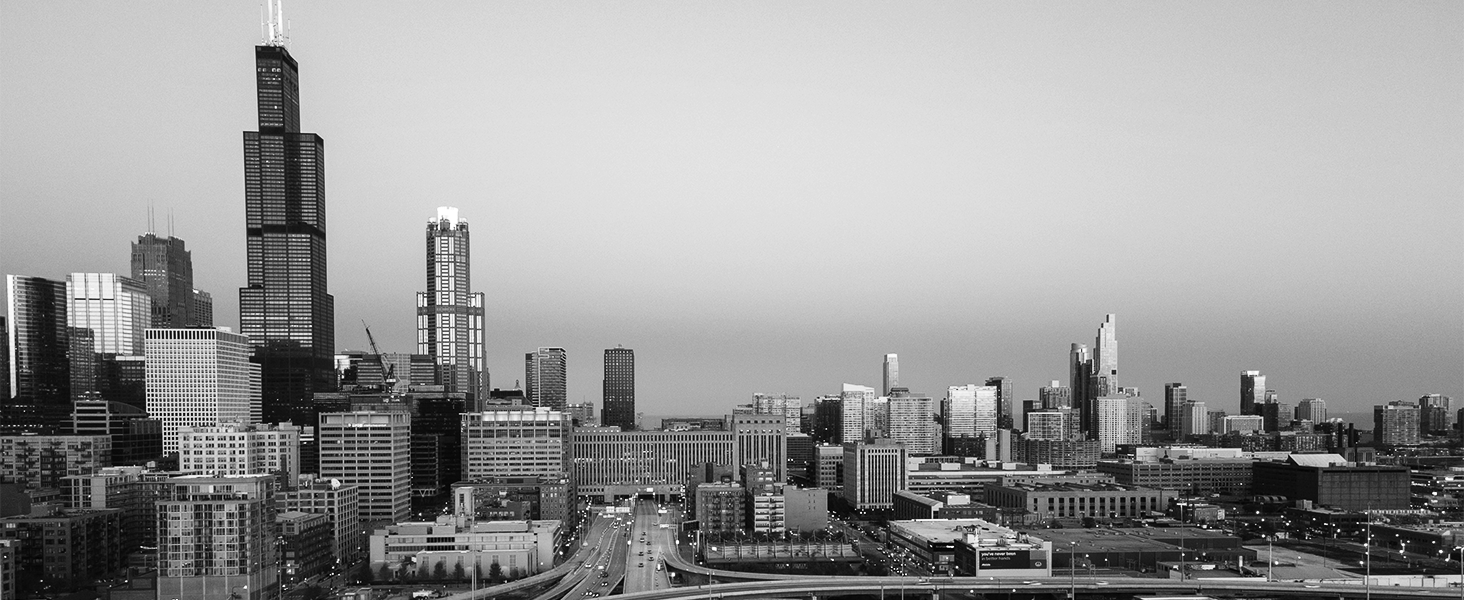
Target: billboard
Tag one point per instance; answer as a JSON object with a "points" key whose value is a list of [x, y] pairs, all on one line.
{"points": [[1011, 559]]}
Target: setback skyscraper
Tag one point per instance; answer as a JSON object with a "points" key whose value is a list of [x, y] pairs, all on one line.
{"points": [[285, 310], [545, 372], [449, 315], [165, 266], [619, 388]]}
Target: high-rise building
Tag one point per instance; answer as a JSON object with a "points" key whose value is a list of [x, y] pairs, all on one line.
{"points": [[342, 503], [199, 378], [583, 414], [1120, 421], [165, 267], [1312, 409], [857, 408], [873, 472], [285, 310], [1055, 395], [216, 538], [1434, 416], [373, 452], [545, 373], [1175, 395], [912, 421], [1252, 391], [449, 313], [116, 309], [1395, 424], [790, 407], [891, 373], [828, 419], [1193, 419], [1080, 369], [40, 349], [1105, 359], [970, 410], [1008, 408], [619, 388], [1055, 424]]}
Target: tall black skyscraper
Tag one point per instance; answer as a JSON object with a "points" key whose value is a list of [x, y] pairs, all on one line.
{"points": [[285, 309], [619, 389], [1175, 395]]}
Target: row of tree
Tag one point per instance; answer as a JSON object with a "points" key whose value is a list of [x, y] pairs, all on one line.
{"points": [[409, 571]]}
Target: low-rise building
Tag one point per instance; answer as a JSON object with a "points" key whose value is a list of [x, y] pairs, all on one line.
{"points": [[534, 498], [807, 509], [911, 506], [972, 547], [341, 503], [1037, 503], [1190, 475], [305, 551], [520, 548], [1329, 480], [41, 461], [62, 548]]}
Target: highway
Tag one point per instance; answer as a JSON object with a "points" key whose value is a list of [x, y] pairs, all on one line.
{"points": [[601, 530], [1048, 586], [650, 542]]}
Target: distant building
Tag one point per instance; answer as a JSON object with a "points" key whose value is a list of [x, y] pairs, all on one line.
{"points": [[721, 507], [1328, 480], [912, 422], [1061, 454], [521, 442], [1120, 421], [857, 411], [829, 474], [1008, 408], [1194, 420], [533, 498], [971, 410], [940, 505], [305, 548], [619, 388], [165, 267], [1252, 391], [891, 373], [583, 414], [1043, 502], [972, 547], [1312, 409], [42, 461], [1175, 395], [1241, 424], [39, 360], [545, 376], [1055, 395], [1396, 424], [1434, 415], [790, 407], [131, 490], [828, 419], [1174, 470]]}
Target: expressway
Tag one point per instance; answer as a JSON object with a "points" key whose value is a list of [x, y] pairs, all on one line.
{"points": [[1049, 586], [652, 539], [604, 569]]}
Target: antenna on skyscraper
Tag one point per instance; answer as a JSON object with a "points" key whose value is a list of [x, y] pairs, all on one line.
{"points": [[275, 31]]}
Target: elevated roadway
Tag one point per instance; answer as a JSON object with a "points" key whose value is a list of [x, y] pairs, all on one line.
{"points": [[599, 541], [936, 588]]}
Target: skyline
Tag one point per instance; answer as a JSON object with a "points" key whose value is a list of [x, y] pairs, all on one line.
{"points": [[763, 298]]}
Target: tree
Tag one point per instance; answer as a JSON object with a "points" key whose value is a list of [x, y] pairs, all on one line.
{"points": [[458, 573], [514, 573], [383, 574], [478, 571], [423, 571], [439, 571], [495, 572]]}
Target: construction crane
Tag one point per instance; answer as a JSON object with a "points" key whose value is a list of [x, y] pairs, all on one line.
{"points": [[388, 371]]}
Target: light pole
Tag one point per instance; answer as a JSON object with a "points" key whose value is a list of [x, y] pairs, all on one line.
{"points": [[1270, 556], [1073, 568]]}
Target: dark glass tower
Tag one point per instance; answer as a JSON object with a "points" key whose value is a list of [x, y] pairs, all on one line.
{"points": [[165, 266], [285, 310], [619, 389], [40, 355]]}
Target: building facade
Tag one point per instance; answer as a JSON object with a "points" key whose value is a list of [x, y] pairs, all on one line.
{"points": [[521, 442], [545, 373], [39, 354], [873, 472], [372, 452], [216, 538], [165, 267], [241, 449]]}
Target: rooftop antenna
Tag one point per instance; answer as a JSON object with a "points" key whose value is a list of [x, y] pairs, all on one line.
{"points": [[276, 34]]}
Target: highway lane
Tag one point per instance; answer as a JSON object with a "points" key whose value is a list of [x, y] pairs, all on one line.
{"points": [[586, 576], [926, 587], [597, 528], [648, 544]]}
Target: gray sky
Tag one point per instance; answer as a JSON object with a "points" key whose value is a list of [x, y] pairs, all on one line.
{"points": [[769, 196]]}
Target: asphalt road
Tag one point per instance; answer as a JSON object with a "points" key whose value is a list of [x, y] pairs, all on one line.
{"points": [[649, 542]]}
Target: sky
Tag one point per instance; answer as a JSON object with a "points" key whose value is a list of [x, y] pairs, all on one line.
{"points": [[770, 196]]}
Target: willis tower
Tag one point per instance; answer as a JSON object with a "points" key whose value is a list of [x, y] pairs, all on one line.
{"points": [[285, 310]]}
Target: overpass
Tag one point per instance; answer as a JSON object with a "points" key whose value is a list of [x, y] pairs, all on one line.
{"points": [[936, 588]]}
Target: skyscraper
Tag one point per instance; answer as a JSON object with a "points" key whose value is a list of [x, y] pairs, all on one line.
{"points": [[116, 309], [216, 538], [1120, 421], [1191, 419], [372, 451], [165, 267], [619, 388], [1080, 369], [789, 407], [449, 314], [1252, 391], [1312, 409], [1395, 424], [1175, 395], [199, 378], [856, 403], [1008, 409], [545, 377], [912, 421], [1055, 395], [285, 309], [891, 373], [40, 343], [1105, 359], [970, 410]]}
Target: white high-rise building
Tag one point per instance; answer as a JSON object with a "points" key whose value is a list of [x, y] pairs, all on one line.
{"points": [[970, 410], [873, 472], [891, 373], [1056, 424], [912, 422], [241, 449], [1120, 421], [199, 378], [117, 309], [449, 313], [372, 451], [857, 405], [1105, 359]]}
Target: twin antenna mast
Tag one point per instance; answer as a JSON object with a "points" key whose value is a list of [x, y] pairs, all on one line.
{"points": [[274, 30]]}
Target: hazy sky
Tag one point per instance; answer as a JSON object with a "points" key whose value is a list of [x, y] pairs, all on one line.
{"points": [[769, 196]]}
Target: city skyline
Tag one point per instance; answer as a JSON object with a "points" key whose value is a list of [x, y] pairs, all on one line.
{"points": [[721, 308]]}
